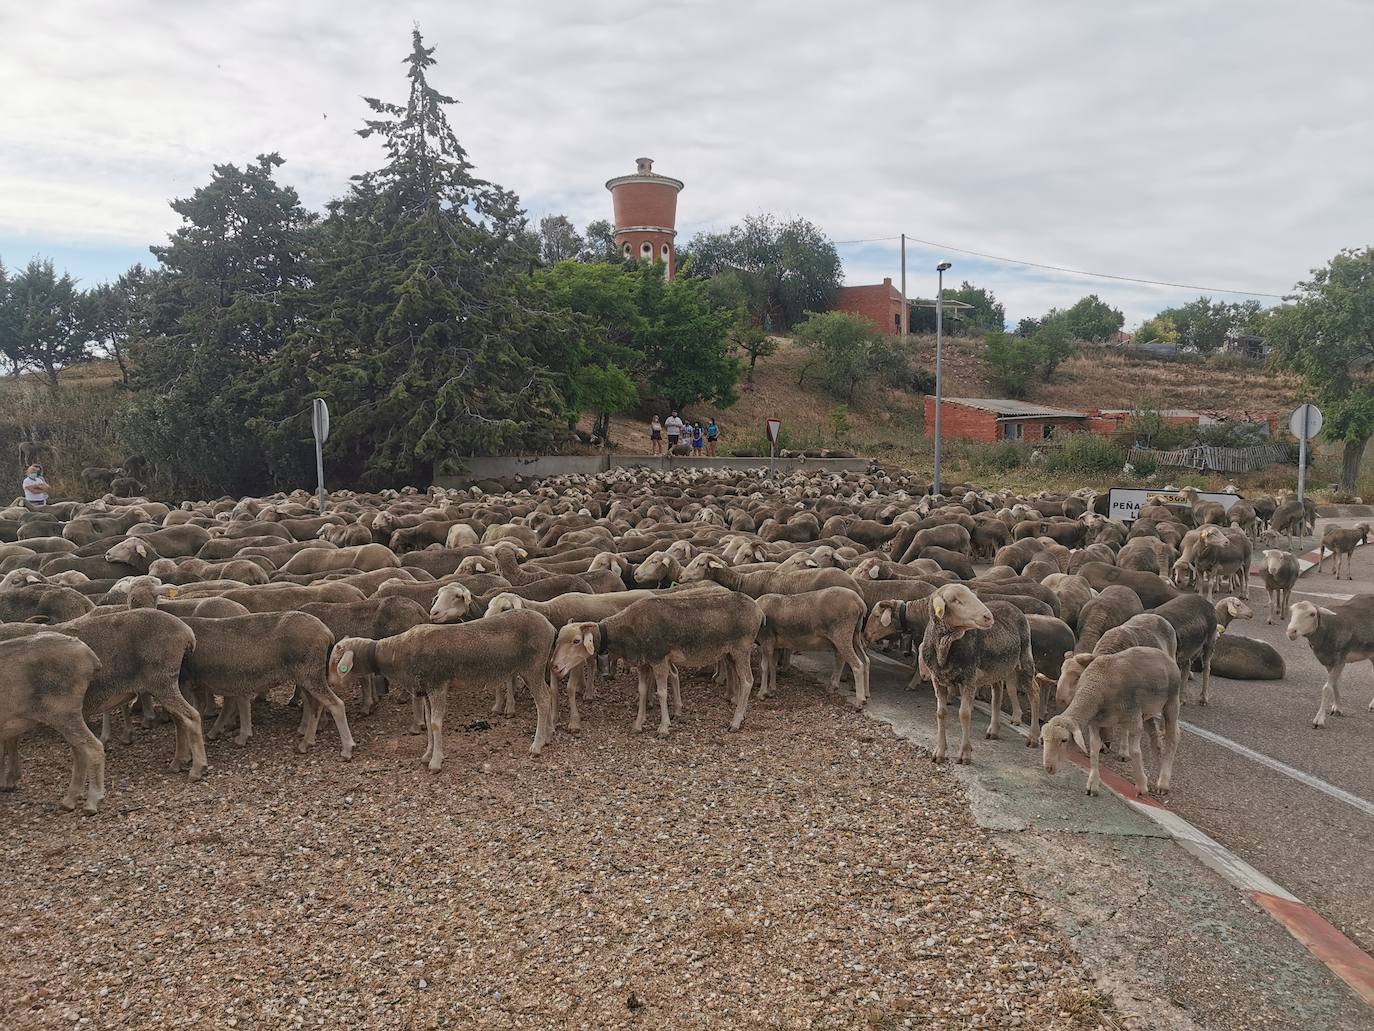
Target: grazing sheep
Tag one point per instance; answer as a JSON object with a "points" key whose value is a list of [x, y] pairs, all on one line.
{"points": [[1341, 542], [677, 629], [1338, 635], [968, 644], [829, 619], [46, 679], [1120, 690], [434, 658], [1280, 572]]}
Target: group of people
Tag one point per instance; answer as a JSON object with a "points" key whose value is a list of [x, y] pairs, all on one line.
{"points": [[679, 432]]}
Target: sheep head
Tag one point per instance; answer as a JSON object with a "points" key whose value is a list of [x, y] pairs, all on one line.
{"points": [[451, 604], [575, 644], [958, 608], [1304, 619], [1055, 736], [505, 602], [127, 551]]}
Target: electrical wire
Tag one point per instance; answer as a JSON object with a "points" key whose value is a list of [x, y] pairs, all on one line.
{"points": [[1069, 271]]}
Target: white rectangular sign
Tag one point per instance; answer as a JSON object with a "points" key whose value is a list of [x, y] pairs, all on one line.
{"points": [[1126, 502]]}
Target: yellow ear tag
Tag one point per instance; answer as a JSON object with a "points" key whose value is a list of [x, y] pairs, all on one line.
{"points": [[938, 607], [172, 592], [1221, 630]]}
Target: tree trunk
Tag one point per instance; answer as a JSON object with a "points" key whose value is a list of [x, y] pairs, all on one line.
{"points": [[50, 370], [119, 360], [1350, 463]]}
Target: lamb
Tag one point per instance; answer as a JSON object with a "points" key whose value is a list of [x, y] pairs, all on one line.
{"points": [[656, 633], [46, 679], [1337, 636], [433, 658], [1111, 608], [968, 644], [832, 618], [1280, 572], [1120, 690], [1341, 542], [141, 653], [240, 657], [1194, 620]]}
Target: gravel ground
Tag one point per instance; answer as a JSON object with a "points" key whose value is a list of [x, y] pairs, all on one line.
{"points": [[809, 872]]}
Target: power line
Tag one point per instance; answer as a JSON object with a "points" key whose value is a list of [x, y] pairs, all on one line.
{"points": [[1070, 271]]}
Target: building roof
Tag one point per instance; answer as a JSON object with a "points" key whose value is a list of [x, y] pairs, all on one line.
{"points": [[1014, 409]]}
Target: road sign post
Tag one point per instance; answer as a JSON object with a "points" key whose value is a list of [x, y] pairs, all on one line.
{"points": [[774, 427], [1306, 423], [319, 425]]}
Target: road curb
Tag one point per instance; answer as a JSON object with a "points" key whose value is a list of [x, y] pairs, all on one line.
{"points": [[1323, 941]]}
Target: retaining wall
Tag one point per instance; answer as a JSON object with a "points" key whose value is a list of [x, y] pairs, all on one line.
{"points": [[538, 466]]}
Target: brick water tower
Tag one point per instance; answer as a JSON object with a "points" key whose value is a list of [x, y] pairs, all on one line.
{"points": [[646, 214]]}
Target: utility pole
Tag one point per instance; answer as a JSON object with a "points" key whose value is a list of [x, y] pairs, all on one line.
{"points": [[939, 380], [906, 308]]}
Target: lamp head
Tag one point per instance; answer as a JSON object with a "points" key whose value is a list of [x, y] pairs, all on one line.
{"points": [[943, 266]]}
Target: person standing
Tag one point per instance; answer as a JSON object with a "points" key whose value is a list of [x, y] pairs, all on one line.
{"points": [[698, 439], [712, 435], [656, 435], [35, 487], [673, 425]]}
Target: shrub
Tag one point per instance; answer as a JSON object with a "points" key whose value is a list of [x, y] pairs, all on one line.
{"points": [[1086, 453], [1002, 457], [839, 422], [1144, 465], [1013, 362]]}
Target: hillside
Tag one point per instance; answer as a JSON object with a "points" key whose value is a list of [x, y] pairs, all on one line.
{"points": [[888, 423]]}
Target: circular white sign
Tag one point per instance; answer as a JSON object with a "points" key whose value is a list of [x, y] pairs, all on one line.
{"points": [[1313, 416]]}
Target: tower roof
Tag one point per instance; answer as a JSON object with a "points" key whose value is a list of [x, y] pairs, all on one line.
{"points": [[644, 173]]}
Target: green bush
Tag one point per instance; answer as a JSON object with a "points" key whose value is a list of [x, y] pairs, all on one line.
{"points": [[1002, 457], [1144, 465], [1086, 453]]}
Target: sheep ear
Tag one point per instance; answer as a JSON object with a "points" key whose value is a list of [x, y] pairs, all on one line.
{"points": [[1078, 740], [885, 618], [937, 606], [346, 662], [589, 640], [873, 572]]}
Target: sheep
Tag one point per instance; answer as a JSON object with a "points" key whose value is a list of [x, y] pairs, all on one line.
{"points": [[968, 644], [1243, 658], [1111, 608], [948, 559], [53, 604], [1051, 638], [432, 658], [188, 570], [1341, 542], [1073, 593], [47, 676], [350, 535], [1289, 517], [141, 653], [1280, 572], [1097, 552], [365, 557], [831, 618], [282, 597], [373, 618], [1241, 515], [1337, 636], [1221, 555], [1151, 590], [712, 567], [1229, 609], [239, 657], [1194, 620], [656, 633], [1120, 690]]}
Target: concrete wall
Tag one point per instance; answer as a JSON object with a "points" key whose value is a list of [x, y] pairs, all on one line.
{"points": [[588, 465]]}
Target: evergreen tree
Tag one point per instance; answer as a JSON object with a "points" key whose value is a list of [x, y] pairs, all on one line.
{"points": [[43, 324], [422, 326]]}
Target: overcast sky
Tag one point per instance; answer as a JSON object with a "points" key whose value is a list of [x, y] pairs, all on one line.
{"points": [[1209, 143]]}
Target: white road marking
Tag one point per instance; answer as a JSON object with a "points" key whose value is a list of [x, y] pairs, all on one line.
{"points": [[1340, 794]]}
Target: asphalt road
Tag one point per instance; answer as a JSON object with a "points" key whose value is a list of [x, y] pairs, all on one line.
{"points": [[1319, 847]]}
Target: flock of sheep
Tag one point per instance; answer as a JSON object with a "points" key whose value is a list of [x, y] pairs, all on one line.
{"points": [[182, 613]]}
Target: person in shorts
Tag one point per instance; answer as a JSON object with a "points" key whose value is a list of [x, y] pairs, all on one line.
{"points": [[35, 487], [712, 435], [656, 435], [674, 425], [698, 439]]}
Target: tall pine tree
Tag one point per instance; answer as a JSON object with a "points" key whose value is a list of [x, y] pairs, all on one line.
{"points": [[423, 333]]}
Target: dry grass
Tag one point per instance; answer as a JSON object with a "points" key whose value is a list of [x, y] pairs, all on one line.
{"points": [[809, 872], [73, 423]]}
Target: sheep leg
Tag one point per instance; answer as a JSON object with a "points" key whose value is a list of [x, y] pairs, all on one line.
{"points": [[1328, 698], [245, 706], [1142, 783], [190, 734], [510, 697], [766, 671], [965, 724], [995, 722], [545, 696], [9, 764], [739, 663], [941, 704], [324, 697], [418, 720], [1207, 650], [845, 655], [497, 703], [224, 722], [435, 708], [643, 698], [1032, 690], [1094, 759], [865, 667], [88, 764], [661, 686], [1014, 700], [1170, 749], [576, 679], [675, 685]]}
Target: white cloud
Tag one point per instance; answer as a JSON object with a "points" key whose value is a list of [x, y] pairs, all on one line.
{"points": [[1226, 144]]}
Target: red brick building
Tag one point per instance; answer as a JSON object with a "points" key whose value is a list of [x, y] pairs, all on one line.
{"points": [[881, 304], [992, 419], [645, 206]]}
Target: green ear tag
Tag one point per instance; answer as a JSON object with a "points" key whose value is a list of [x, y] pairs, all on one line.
{"points": [[344, 667]]}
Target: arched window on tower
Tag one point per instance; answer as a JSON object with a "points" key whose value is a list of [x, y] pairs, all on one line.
{"points": [[646, 251], [665, 253], [627, 250]]}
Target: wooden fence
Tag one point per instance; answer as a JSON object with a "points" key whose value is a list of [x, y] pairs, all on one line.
{"points": [[1221, 459]]}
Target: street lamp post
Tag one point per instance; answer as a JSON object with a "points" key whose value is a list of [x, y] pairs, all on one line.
{"points": [[939, 381]]}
